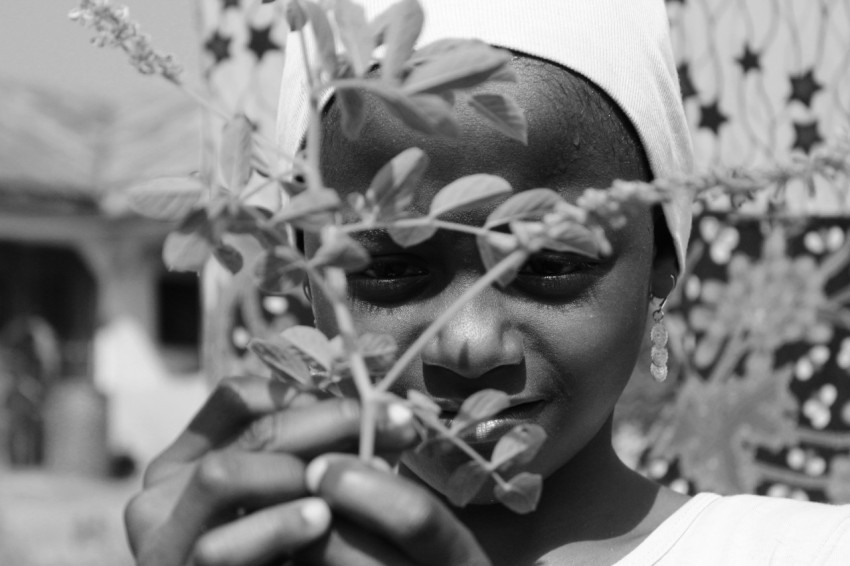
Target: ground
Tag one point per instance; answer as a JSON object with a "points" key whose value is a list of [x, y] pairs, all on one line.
{"points": [[52, 520]]}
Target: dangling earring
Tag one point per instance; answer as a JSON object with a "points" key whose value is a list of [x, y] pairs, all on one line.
{"points": [[658, 335]]}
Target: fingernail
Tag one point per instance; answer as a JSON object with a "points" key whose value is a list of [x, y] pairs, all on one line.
{"points": [[399, 416], [316, 513], [315, 472], [380, 464]]}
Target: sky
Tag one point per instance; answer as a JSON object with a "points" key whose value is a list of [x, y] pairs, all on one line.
{"points": [[39, 45]]}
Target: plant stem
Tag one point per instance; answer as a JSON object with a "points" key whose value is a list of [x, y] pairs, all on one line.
{"points": [[203, 102], [445, 225], [313, 170], [359, 372], [345, 323], [515, 259]]}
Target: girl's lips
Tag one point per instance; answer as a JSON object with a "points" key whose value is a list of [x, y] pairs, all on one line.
{"points": [[490, 430]]}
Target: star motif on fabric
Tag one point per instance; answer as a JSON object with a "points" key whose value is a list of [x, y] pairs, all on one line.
{"points": [[806, 135], [711, 117], [804, 87], [261, 42], [685, 82], [219, 46], [230, 4], [750, 60]]}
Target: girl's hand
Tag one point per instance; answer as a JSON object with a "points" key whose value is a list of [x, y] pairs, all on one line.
{"points": [[231, 489], [382, 519]]}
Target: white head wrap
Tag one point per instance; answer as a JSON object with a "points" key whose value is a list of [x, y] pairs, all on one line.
{"points": [[622, 46]]}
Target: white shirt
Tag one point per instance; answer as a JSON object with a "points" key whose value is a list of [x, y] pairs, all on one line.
{"points": [[748, 530]]}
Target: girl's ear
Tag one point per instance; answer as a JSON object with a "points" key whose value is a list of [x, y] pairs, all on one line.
{"points": [[664, 264]]}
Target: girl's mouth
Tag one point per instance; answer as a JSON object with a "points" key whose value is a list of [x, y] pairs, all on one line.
{"points": [[490, 430]]}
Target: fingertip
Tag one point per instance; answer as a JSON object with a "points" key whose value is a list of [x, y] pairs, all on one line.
{"points": [[380, 464], [315, 473], [399, 416], [316, 514], [396, 426]]}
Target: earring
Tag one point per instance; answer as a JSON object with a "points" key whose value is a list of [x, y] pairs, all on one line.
{"points": [[658, 335]]}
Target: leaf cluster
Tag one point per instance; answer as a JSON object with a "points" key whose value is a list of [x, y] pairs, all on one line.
{"points": [[514, 450], [307, 360], [420, 87]]}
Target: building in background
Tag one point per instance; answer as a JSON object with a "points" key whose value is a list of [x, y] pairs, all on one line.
{"points": [[77, 261]]}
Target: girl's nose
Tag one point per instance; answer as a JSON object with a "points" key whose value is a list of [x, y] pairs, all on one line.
{"points": [[478, 339]]}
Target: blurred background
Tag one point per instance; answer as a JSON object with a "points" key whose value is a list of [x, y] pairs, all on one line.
{"points": [[99, 343], [105, 354]]}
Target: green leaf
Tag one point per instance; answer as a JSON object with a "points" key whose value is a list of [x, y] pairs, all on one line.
{"points": [[352, 106], [478, 407], [310, 343], [324, 35], [398, 27], [355, 34], [468, 192], [522, 493], [427, 113], [455, 64], [237, 152], [229, 257], [310, 210], [503, 113], [391, 190], [243, 218], [280, 271], [166, 198], [530, 235], [340, 250], [378, 351], [285, 364], [493, 248], [186, 252], [519, 446], [504, 75], [465, 483], [525, 205], [410, 231], [572, 237], [422, 403]]}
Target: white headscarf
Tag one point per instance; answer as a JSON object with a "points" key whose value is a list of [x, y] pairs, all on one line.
{"points": [[623, 46]]}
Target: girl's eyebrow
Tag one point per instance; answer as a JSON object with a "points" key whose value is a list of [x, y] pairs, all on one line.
{"points": [[374, 236]]}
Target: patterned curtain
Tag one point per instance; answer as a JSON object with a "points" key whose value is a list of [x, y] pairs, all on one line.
{"points": [[761, 324]]}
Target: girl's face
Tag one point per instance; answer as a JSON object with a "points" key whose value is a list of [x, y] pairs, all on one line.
{"points": [[563, 338]]}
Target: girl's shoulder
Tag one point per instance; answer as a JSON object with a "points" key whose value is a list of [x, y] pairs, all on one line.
{"points": [[748, 530]]}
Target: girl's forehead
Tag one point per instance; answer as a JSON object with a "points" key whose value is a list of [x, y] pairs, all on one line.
{"points": [[577, 138]]}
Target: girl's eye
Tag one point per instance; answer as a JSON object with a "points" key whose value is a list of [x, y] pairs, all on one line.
{"points": [[555, 276], [552, 265], [392, 268], [389, 280]]}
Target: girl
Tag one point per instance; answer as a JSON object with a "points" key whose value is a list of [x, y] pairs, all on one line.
{"points": [[598, 85]]}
